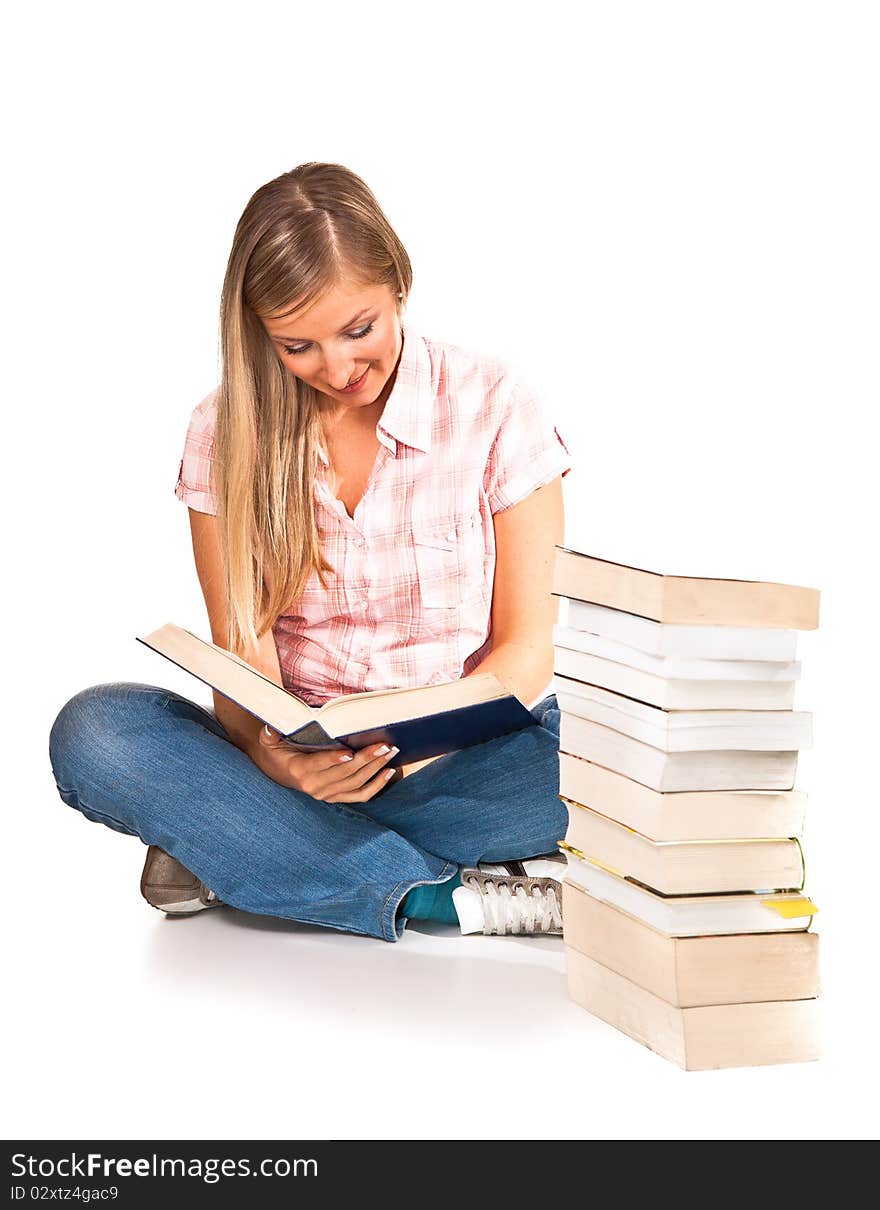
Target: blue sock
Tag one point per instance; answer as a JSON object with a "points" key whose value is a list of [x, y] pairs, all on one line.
{"points": [[432, 902]]}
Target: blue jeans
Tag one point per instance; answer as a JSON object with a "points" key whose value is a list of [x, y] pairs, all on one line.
{"points": [[146, 761]]}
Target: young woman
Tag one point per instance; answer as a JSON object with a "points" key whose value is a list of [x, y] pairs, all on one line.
{"points": [[369, 509]]}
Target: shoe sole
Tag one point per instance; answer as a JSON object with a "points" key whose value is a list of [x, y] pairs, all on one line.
{"points": [[184, 908]]}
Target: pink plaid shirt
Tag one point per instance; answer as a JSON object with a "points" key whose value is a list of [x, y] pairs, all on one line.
{"points": [[462, 437]]}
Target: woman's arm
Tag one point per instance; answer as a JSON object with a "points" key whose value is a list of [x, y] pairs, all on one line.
{"points": [[523, 609], [241, 726]]}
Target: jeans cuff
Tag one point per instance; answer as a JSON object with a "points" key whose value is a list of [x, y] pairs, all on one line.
{"points": [[392, 927]]}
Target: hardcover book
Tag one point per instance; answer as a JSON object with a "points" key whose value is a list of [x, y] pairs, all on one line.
{"points": [[686, 730], [675, 667], [686, 867], [697, 1039], [684, 600], [682, 814], [670, 638], [741, 968], [726, 769], [421, 722], [690, 915], [672, 693]]}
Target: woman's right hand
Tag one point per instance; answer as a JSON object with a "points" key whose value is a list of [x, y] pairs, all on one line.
{"points": [[334, 776]]}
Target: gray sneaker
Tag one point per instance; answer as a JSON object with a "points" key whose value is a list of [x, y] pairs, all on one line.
{"points": [[512, 897], [170, 887]]}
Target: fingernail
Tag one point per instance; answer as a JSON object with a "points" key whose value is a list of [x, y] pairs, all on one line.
{"points": [[381, 750], [394, 751], [345, 756], [389, 773]]}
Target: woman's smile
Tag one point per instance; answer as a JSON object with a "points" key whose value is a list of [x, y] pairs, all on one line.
{"points": [[356, 385]]}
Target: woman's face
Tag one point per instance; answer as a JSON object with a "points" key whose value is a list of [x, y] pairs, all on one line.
{"points": [[352, 335]]}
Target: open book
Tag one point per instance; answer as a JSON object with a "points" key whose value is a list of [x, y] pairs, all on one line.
{"points": [[423, 722]]}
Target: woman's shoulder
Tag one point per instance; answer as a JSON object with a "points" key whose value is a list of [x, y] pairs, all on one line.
{"points": [[203, 417], [207, 405], [461, 371]]}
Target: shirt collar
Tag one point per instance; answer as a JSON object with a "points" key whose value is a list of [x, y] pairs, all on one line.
{"points": [[408, 415]]}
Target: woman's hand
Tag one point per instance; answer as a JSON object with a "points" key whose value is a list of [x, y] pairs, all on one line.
{"points": [[330, 776]]}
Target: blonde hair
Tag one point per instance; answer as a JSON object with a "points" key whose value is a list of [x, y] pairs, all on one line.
{"points": [[300, 235]]}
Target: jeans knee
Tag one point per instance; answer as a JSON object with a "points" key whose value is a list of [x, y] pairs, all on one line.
{"points": [[86, 723]]}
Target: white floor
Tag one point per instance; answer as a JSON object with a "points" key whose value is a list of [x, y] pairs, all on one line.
{"points": [[128, 1024]]}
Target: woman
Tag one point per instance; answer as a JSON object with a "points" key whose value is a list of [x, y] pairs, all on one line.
{"points": [[369, 509]]}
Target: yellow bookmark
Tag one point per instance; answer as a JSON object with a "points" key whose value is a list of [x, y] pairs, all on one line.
{"points": [[789, 909]]}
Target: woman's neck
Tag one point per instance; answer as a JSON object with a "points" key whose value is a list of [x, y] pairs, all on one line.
{"points": [[337, 422]]}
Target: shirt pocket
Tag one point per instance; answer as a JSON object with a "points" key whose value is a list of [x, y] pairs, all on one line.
{"points": [[450, 561]]}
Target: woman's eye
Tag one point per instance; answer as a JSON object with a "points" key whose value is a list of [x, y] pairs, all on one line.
{"points": [[351, 336]]}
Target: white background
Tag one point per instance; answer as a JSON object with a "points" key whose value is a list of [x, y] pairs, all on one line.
{"points": [[666, 215]]}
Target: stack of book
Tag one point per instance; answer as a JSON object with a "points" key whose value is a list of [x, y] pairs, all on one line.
{"points": [[686, 924]]}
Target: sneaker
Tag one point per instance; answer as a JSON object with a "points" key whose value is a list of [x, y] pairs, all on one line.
{"points": [[512, 897], [170, 887]]}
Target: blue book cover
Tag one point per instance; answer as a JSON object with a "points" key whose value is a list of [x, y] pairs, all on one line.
{"points": [[422, 722]]}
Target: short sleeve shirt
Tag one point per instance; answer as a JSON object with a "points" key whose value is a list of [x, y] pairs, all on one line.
{"points": [[462, 437]]}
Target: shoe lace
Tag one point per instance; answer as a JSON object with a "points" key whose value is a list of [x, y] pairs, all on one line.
{"points": [[513, 909]]}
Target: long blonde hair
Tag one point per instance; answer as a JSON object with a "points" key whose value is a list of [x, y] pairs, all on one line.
{"points": [[302, 233]]}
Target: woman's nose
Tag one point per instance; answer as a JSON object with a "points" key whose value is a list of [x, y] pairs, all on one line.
{"points": [[339, 372]]}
